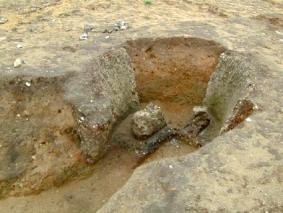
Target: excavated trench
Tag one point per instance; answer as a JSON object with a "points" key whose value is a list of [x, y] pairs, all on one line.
{"points": [[176, 74]]}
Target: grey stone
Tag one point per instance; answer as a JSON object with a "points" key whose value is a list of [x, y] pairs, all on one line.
{"points": [[121, 23], [88, 28], [147, 121]]}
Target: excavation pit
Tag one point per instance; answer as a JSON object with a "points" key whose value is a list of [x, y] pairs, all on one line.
{"points": [[176, 74]]}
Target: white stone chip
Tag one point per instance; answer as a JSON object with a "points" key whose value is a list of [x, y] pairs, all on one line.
{"points": [[248, 120], [17, 63]]}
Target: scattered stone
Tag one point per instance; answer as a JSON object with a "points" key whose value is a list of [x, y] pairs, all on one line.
{"points": [[3, 20], [88, 28], [19, 46], [115, 27], [120, 25], [17, 63], [84, 36], [147, 121]]}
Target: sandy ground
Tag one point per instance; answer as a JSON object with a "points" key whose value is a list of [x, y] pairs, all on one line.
{"points": [[48, 24]]}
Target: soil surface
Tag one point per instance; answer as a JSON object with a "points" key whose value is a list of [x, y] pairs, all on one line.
{"points": [[49, 33]]}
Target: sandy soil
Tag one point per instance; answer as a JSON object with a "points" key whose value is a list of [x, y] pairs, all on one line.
{"points": [[33, 23]]}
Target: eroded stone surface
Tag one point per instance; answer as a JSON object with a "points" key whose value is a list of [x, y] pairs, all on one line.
{"points": [[107, 93], [228, 92], [52, 127]]}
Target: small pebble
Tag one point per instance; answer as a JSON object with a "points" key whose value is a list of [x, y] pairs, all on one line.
{"points": [[84, 36], [21, 185], [248, 119], [17, 63], [88, 28], [121, 23], [115, 28], [174, 142], [3, 20], [19, 46]]}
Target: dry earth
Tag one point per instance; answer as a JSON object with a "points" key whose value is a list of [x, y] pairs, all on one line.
{"points": [[245, 165]]}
